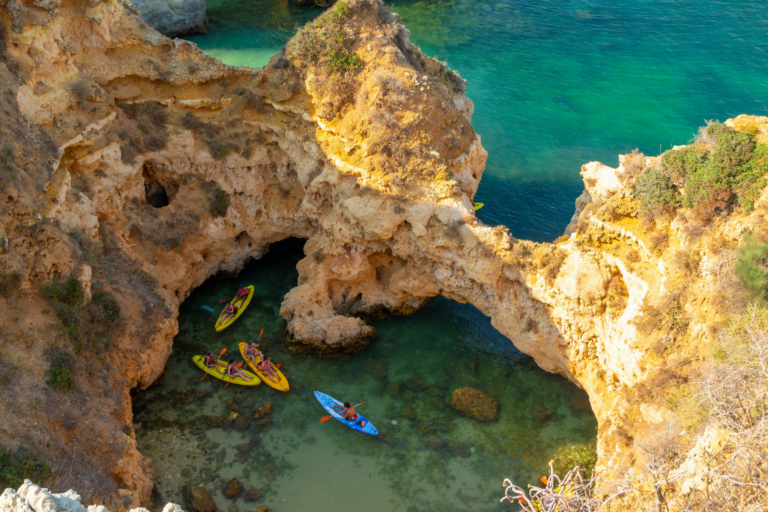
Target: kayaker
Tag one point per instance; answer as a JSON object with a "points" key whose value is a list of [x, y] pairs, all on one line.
{"points": [[266, 367], [349, 414], [242, 292], [211, 361], [233, 371], [252, 351], [228, 312]]}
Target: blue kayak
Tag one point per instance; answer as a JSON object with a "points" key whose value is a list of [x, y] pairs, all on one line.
{"points": [[328, 402]]}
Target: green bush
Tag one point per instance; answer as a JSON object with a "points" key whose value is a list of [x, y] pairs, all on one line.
{"points": [[7, 283], [16, 465], [680, 164], [735, 169], [60, 378], [752, 266], [323, 41], [69, 292], [753, 179], [88, 325], [656, 188], [219, 203]]}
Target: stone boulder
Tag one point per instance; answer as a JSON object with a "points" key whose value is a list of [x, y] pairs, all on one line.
{"points": [[174, 17], [232, 489], [198, 499], [262, 410], [475, 404], [262, 508], [252, 495]]}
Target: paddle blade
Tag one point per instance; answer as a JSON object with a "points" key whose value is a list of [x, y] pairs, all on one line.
{"points": [[324, 419], [204, 376], [262, 332], [223, 351], [279, 365], [222, 301]]}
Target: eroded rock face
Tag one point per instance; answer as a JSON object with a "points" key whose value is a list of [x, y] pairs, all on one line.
{"points": [[156, 166], [174, 18], [475, 404]]}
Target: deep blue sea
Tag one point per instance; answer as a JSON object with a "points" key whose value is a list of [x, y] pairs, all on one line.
{"points": [[556, 84]]}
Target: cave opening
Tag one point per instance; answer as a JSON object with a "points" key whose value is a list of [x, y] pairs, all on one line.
{"points": [[407, 376], [155, 193]]}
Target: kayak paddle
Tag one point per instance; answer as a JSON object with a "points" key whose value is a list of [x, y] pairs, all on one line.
{"points": [[326, 418], [216, 366]]}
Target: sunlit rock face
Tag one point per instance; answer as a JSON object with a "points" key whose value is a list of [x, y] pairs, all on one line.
{"points": [[143, 166]]}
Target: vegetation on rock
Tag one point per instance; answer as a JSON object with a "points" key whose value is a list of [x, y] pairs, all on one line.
{"points": [[725, 168], [16, 465], [60, 374], [752, 265], [88, 325], [324, 41]]}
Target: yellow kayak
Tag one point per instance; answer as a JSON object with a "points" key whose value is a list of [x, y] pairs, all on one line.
{"points": [[198, 360], [221, 324], [280, 385]]}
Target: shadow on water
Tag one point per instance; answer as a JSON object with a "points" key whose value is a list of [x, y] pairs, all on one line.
{"points": [[427, 457]]}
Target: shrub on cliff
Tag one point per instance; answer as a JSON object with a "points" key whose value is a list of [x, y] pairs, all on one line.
{"points": [[88, 325], [752, 266], [323, 41], [7, 283], [656, 189], [16, 465], [219, 203], [60, 374]]}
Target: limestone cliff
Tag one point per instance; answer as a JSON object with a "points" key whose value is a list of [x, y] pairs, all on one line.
{"points": [[141, 166]]}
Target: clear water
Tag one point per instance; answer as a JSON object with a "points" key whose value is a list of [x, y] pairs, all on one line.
{"points": [[426, 457], [558, 83]]}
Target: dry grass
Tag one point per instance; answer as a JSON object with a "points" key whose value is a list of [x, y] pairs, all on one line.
{"points": [[724, 406]]}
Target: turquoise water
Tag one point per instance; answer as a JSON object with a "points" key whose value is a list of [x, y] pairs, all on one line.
{"points": [[426, 457], [559, 83]]}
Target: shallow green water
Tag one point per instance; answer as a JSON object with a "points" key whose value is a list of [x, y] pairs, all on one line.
{"points": [[558, 83], [426, 457]]}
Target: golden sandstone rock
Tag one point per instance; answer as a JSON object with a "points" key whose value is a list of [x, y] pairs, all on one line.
{"points": [[158, 166]]}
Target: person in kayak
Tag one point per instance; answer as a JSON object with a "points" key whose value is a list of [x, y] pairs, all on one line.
{"points": [[233, 371], [242, 292], [211, 361], [349, 414], [266, 367], [228, 312], [252, 351]]}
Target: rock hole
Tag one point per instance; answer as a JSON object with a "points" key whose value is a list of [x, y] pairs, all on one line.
{"points": [[156, 193]]}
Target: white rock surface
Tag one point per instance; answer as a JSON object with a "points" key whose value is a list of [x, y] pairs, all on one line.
{"points": [[33, 498]]}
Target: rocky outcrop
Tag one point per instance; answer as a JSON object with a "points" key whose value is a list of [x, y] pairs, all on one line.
{"points": [[174, 18], [141, 166], [475, 404], [198, 499], [33, 498]]}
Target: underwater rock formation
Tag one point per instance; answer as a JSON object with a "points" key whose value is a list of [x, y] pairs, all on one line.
{"points": [[140, 166], [475, 404]]}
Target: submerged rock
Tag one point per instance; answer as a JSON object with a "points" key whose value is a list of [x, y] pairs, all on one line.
{"points": [[198, 499], [262, 508], [416, 384], [240, 424], [262, 410], [475, 404], [243, 449], [392, 389], [252, 495], [540, 418], [233, 489], [435, 442]]}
